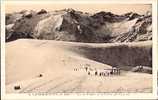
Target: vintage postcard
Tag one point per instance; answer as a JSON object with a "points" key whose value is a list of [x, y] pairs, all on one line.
{"points": [[104, 49]]}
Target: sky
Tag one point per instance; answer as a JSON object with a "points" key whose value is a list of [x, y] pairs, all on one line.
{"points": [[91, 8]]}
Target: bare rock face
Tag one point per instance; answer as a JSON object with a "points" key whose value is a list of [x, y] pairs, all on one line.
{"points": [[28, 14], [71, 25], [12, 18], [107, 17], [140, 31], [131, 15], [42, 11], [9, 31]]}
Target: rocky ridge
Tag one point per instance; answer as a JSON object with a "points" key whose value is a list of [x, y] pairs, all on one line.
{"points": [[76, 26]]}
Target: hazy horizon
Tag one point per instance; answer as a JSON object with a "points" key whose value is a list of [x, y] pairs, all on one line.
{"points": [[91, 8]]}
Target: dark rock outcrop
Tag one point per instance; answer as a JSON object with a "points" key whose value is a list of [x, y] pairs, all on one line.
{"points": [[42, 11]]}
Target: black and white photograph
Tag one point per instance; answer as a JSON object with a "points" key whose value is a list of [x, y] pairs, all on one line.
{"points": [[56, 47]]}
